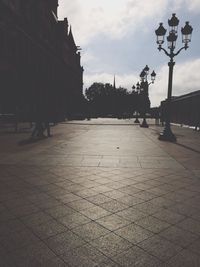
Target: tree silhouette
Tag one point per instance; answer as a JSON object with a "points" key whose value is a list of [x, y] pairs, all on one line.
{"points": [[106, 100]]}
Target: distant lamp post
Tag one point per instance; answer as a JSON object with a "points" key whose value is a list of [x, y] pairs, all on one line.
{"points": [[153, 76], [186, 31], [136, 89], [144, 91]]}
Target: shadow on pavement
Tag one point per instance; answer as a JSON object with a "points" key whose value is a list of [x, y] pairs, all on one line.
{"points": [[187, 147], [31, 140]]}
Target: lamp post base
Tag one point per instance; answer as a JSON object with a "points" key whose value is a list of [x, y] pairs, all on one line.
{"points": [[136, 121], [167, 135], [144, 124]]}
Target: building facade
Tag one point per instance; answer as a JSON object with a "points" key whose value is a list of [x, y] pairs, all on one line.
{"points": [[185, 109], [40, 70]]}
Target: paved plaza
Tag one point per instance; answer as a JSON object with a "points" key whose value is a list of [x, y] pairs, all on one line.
{"points": [[103, 192]]}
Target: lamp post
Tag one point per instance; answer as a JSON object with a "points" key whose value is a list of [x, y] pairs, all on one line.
{"points": [[144, 91], [136, 89], [186, 31]]}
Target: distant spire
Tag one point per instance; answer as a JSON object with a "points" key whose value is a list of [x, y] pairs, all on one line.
{"points": [[70, 31], [114, 84], [71, 37]]}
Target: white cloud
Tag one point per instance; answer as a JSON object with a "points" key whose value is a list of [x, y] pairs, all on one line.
{"points": [[192, 5], [112, 18], [88, 58], [116, 18]]}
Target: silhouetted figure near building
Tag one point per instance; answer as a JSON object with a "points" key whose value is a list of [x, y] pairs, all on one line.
{"points": [[47, 128], [157, 117], [197, 127], [48, 117], [163, 113], [38, 130], [43, 113], [197, 124], [41, 118]]}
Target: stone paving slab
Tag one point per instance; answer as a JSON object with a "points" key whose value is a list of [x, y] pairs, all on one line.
{"points": [[100, 193]]}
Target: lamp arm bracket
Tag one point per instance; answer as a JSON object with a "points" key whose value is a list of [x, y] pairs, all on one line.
{"points": [[184, 47], [161, 48]]}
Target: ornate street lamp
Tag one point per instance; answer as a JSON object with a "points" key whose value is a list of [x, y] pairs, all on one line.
{"points": [[153, 77], [160, 32], [173, 23], [144, 91], [186, 31], [136, 89], [146, 70]]}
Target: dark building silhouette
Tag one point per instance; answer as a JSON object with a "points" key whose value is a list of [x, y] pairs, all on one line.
{"points": [[40, 71], [185, 109]]}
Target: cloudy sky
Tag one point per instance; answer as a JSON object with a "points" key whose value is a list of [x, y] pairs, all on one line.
{"points": [[118, 37]]}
